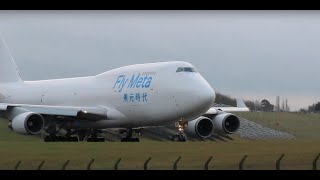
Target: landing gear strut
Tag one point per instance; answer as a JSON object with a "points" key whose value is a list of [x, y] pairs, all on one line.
{"points": [[83, 134], [181, 136], [52, 131], [89, 135], [129, 137], [94, 136], [54, 138]]}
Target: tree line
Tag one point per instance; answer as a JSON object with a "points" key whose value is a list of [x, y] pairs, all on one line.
{"points": [[227, 100], [255, 105], [258, 106], [312, 108], [224, 99]]}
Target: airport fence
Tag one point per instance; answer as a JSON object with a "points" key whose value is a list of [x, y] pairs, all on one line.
{"points": [[175, 164]]}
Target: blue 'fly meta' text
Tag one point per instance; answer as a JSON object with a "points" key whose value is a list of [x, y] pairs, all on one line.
{"points": [[136, 81]]}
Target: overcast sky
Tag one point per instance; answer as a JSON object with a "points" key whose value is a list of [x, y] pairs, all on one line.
{"points": [[248, 54]]}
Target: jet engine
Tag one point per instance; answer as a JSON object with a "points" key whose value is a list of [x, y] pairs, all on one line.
{"points": [[226, 123], [202, 127], [27, 123]]}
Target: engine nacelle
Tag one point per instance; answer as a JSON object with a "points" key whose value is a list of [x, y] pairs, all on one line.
{"points": [[202, 127], [226, 123], [28, 123]]}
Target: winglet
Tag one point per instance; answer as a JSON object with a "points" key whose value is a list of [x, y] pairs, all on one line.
{"points": [[240, 103]]}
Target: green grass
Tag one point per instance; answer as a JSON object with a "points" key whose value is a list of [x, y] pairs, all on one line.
{"points": [[303, 126], [299, 153], [261, 154]]}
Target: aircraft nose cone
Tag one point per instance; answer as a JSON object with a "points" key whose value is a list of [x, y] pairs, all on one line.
{"points": [[207, 97], [194, 100]]}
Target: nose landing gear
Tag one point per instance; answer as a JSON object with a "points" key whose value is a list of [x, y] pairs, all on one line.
{"points": [[181, 136]]}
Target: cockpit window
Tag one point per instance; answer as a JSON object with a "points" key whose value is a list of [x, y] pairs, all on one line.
{"points": [[186, 69], [180, 69]]}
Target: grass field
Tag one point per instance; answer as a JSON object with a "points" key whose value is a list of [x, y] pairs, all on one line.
{"points": [[299, 153], [303, 126]]}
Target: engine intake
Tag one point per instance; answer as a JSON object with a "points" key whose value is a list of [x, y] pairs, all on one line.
{"points": [[226, 123], [28, 123], [202, 127]]}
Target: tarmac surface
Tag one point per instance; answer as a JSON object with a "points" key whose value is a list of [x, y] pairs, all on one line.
{"points": [[247, 130]]}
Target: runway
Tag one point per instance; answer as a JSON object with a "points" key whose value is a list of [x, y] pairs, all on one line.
{"points": [[247, 130]]}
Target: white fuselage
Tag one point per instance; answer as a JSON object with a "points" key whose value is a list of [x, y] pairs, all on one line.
{"points": [[140, 95]]}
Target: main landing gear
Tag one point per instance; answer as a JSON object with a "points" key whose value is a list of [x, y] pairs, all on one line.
{"points": [[89, 135], [94, 136], [129, 137], [181, 136], [66, 138], [51, 138]]}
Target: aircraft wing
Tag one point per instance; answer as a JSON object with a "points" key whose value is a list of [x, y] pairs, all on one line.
{"points": [[241, 107], [88, 113]]}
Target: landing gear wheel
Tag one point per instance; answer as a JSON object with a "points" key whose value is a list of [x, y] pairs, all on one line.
{"points": [[94, 139], [175, 138], [125, 140], [48, 139], [74, 139], [129, 137], [183, 139], [130, 140], [60, 139], [100, 140], [91, 140], [179, 138]]}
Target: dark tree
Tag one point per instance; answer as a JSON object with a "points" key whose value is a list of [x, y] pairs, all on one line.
{"points": [[224, 99], [250, 105], [302, 110], [317, 107], [266, 106], [311, 108]]}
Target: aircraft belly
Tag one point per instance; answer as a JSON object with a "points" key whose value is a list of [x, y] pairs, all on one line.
{"points": [[103, 124]]}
